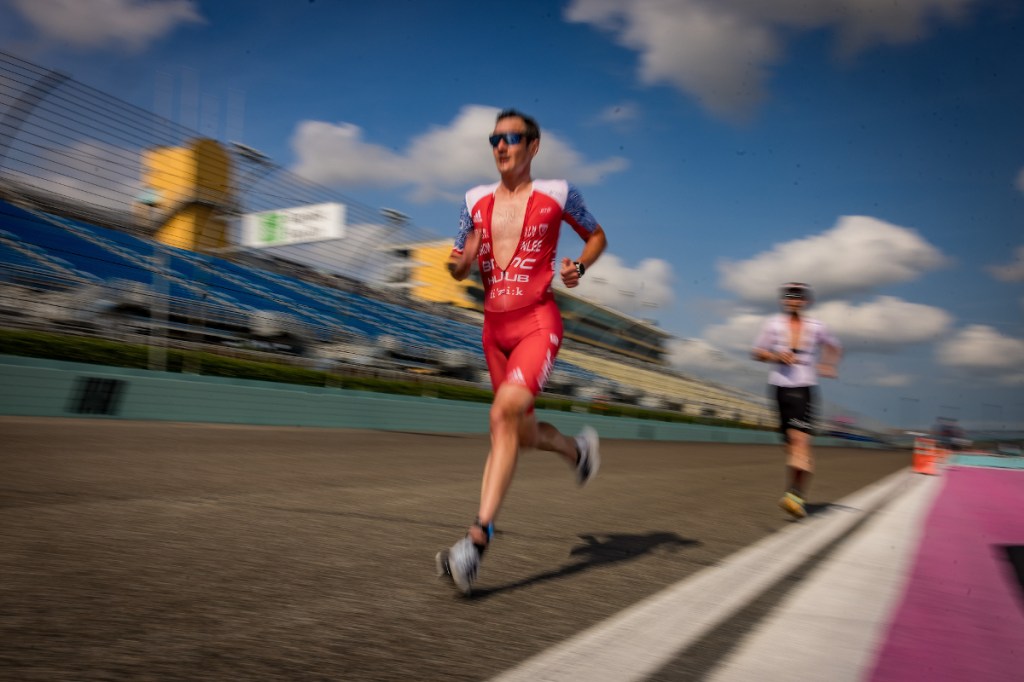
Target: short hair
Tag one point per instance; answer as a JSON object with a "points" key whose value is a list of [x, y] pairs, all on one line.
{"points": [[532, 129]]}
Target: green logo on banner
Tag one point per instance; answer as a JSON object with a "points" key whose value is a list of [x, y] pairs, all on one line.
{"points": [[271, 228]]}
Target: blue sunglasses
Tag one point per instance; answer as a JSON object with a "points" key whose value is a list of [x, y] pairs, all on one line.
{"points": [[510, 138]]}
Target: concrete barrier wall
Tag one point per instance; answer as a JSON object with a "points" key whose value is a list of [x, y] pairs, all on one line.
{"points": [[51, 388]]}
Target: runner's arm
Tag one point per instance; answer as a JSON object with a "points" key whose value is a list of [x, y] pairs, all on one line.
{"points": [[592, 250], [767, 350], [467, 243], [831, 354], [586, 226]]}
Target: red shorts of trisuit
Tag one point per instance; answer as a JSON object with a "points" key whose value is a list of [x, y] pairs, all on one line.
{"points": [[520, 345]]}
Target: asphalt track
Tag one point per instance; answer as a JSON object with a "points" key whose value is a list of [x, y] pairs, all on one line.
{"points": [[160, 551]]}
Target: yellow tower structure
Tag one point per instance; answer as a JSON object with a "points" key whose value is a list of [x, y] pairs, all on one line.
{"points": [[430, 279], [191, 186]]}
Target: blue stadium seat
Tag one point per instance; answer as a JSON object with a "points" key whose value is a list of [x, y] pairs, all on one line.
{"points": [[109, 255]]}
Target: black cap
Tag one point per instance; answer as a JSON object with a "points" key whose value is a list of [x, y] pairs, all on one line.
{"points": [[797, 290]]}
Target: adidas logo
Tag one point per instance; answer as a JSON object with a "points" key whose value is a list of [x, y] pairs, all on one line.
{"points": [[478, 217]]}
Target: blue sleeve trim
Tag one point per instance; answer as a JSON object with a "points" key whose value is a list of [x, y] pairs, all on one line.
{"points": [[576, 209], [465, 227]]}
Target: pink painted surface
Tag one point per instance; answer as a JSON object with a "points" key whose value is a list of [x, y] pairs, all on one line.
{"points": [[962, 614]]}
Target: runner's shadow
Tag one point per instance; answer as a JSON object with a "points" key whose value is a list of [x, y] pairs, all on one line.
{"points": [[816, 507], [819, 507], [598, 550]]}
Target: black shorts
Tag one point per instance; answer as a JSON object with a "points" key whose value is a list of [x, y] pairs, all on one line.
{"points": [[796, 408]]}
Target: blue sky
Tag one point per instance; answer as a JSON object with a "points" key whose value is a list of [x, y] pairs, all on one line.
{"points": [[874, 149]]}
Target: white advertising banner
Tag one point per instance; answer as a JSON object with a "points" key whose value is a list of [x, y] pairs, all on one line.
{"points": [[294, 225]]}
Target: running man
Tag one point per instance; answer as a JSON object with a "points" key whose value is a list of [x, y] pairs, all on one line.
{"points": [[792, 341], [511, 229]]}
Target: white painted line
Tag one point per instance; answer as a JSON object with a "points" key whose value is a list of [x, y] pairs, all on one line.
{"points": [[643, 638], [836, 618]]}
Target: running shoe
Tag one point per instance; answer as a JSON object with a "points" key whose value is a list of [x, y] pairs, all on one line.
{"points": [[793, 504], [588, 447], [461, 563]]}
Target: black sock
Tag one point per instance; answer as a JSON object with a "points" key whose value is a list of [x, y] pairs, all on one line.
{"points": [[488, 530]]}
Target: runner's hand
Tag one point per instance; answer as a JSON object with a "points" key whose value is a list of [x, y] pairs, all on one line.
{"points": [[786, 357], [459, 265], [828, 371], [570, 275]]}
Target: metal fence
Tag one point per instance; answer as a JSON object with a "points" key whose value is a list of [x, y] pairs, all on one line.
{"points": [[82, 220]]}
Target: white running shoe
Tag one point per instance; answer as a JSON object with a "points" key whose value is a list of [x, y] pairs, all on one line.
{"points": [[461, 563], [588, 445]]}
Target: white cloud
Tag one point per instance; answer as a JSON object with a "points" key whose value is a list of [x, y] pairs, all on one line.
{"points": [[91, 172], [718, 56], [983, 352], [442, 162], [858, 254], [885, 324], [698, 357], [699, 353], [336, 154], [131, 24], [1013, 271], [721, 51], [557, 159], [737, 333], [635, 291]]}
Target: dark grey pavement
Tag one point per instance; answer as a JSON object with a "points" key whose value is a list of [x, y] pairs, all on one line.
{"points": [[163, 551]]}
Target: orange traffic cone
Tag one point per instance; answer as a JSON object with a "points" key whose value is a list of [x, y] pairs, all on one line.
{"points": [[925, 456]]}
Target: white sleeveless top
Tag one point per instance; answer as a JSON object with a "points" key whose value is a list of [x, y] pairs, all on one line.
{"points": [[774, 337]]}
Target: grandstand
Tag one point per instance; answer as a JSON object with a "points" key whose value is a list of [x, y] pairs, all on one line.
{"points": [[117, 223]]}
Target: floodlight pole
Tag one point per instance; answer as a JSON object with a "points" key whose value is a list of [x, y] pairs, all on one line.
{"points": [[158, 305], [158, 312]]}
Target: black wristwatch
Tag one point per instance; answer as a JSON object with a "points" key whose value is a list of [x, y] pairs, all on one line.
{"points": [[580, 267]]}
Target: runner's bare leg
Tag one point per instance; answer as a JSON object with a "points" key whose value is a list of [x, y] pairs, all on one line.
{"points": [[513, 428], [544, 436], [798, 451], [507, 411]]}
